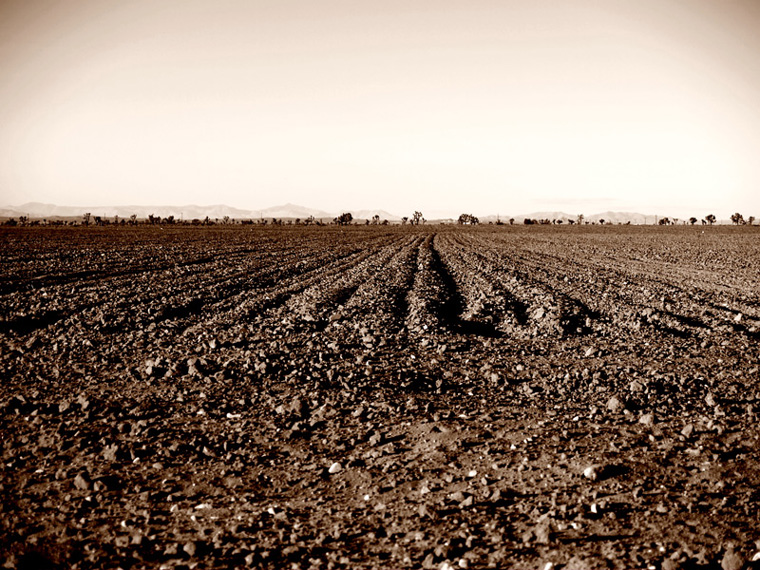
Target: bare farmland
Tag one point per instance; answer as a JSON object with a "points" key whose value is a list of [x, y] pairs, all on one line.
{"points": [[380, 397]]}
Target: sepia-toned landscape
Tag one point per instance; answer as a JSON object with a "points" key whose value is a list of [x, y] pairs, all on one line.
{"points": [[380, 397]]}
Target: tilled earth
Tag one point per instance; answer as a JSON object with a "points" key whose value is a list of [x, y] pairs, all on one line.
{"points": [[372, 397]]}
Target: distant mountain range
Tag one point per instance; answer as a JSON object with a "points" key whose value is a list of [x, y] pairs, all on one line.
{"points": [[188, 212], [37, 210], [293, 211], [613, 217]]}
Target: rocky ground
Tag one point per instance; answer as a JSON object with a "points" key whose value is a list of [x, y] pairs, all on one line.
{"points": [[372, 397]]}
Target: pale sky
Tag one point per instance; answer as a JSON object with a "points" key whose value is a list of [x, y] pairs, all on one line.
{"points": [[442, 106]]}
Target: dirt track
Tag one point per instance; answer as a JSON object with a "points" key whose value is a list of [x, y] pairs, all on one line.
{"points": [[380, 397]]}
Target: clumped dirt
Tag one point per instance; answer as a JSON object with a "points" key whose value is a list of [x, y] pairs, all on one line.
{"points": [[429, 397]]}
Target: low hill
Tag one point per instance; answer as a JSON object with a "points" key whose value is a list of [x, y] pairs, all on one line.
{"points": [[368, 214], [291, 211]]}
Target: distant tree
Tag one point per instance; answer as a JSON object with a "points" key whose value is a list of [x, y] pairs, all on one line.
{"points": [[11, 222], [692, 220], [528, 222], [559, 222], [98, 221], [133, 219], [601, 221], [664, 221], [86, 219], [751, 220], [169, 220], [580, 219], [344, 219], [384, 222], [375, 219], [417, 218], [710, 219], [468, 219], [737, 218], [226, 220], [404, 220], [511, 221]]}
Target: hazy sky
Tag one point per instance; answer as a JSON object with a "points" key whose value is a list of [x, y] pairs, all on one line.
{"points": [[472, 106]]}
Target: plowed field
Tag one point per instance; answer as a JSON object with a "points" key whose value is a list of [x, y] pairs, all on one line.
{"points": [[380, 397]]}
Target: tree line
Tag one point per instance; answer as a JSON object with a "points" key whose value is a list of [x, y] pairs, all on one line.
{"points": [[345, 219]]}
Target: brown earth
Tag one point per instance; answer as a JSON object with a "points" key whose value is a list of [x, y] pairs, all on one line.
{"points": [[371, 397]]}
